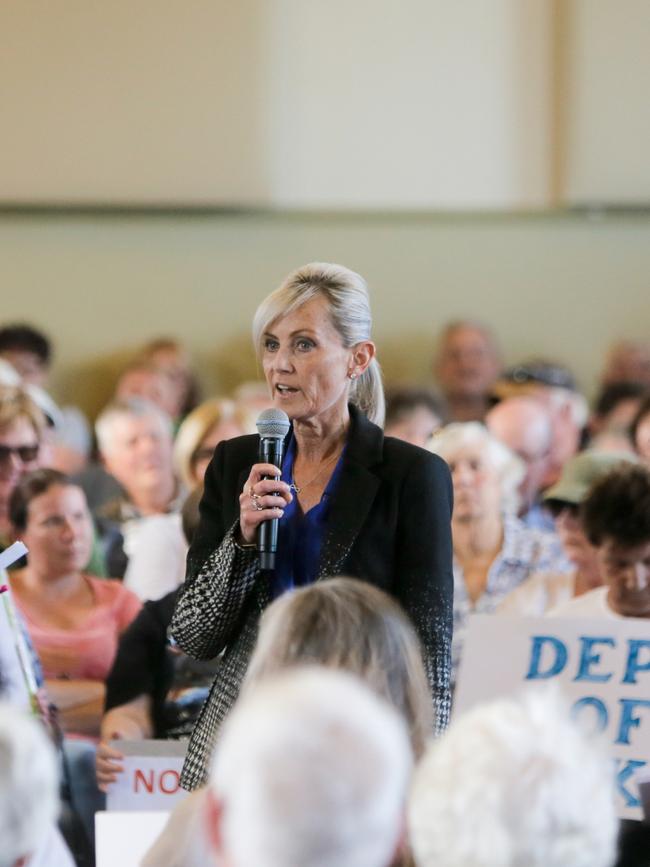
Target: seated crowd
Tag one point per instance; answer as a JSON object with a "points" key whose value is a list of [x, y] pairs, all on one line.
{"points": [[551, 518]]}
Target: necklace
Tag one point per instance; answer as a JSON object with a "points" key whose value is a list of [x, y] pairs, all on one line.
{"points": [[299, 489]]}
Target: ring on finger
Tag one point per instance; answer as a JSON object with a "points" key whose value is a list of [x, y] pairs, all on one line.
{"points": [[257, 506]]}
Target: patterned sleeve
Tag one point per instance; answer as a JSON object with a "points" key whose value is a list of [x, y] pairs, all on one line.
{"points": [[424, 572], [220, 576]]}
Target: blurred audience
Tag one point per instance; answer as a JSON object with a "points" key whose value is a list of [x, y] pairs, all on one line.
{"points": [[340, 623], [28, 352], [201, 432], [312, 769], [414, 414], [466, 365], [614, 412], [493, 551], [640, 431], [168, 355], [143, 380], [627, 361], [29, 803], [21, 431], [545, 590], [153, 689], [514, 783], [524, 425], [141, 530], [616, 520], [555, 387]]}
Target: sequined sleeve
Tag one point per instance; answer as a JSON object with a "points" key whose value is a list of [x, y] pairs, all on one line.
{"points": [[220, 575], [424, 571]]}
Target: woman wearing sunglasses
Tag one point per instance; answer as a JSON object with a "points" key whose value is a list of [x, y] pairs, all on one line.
{"points": [[21, 430]]}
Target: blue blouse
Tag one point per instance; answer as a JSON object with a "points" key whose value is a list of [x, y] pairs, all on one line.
{"points": [[300, 536]]}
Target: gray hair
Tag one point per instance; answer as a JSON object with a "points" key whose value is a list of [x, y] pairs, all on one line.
{"points": [[322, 764], [133, 407], [347, 295], [510, 468], [514, 782], [28, 786]]}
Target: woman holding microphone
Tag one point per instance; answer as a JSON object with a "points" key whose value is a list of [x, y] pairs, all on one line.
{"points": [[350, 501]]}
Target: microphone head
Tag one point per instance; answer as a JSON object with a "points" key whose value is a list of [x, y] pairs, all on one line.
{"points": [[273, 423]]}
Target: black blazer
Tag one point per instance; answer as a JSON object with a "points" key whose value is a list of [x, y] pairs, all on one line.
{"points": [[390, 525]]}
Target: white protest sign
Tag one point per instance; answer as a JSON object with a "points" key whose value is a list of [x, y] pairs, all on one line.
{"points": [[124, 838], [151, 778], [601, 665]]}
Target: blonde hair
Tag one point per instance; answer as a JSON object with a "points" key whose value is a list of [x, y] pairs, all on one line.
{"points": [[196, 426], [349, 306], [15, 403], [344, 623]]}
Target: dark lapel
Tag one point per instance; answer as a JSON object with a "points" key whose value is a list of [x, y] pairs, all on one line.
{"points": [[355, 492]]}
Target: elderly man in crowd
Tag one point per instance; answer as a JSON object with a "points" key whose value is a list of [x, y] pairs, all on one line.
{"points": [[141, 530], [514, 783], [616, 520], [28, 795], [466, 366], [524, 425], [554, 387], [327, 765]]}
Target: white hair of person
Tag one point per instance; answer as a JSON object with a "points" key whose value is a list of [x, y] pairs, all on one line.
{"points": [[514, 783], [578, 406], [312, 770], [511, 470], [133, 407], [28, 786], [347, 295]]}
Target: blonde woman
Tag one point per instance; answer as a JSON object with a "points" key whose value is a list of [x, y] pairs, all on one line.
{"points": [[349, 500], [201, 432]]}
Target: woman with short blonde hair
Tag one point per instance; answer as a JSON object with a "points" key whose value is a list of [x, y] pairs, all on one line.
{"points": [[200, 433]]}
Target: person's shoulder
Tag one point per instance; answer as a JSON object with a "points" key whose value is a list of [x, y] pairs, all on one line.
{"points": [[593, 603], [237, 452], [402, 454]]}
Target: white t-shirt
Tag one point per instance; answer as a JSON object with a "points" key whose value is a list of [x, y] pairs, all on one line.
{"points": [[156, 548], [538, 594], [591, 604]]}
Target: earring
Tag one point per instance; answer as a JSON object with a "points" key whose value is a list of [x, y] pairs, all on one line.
{"points": [[352, 375]]}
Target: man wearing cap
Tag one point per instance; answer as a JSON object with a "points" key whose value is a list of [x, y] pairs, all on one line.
{"points": [[555, 386], [546, 590], [524, 425], [616, 520]]}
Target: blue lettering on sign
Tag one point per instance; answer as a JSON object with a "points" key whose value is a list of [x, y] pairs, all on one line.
{"points": [[628, 719], [588, 659], [557, 647], [598, 705], [635, 647], [623, 774]]}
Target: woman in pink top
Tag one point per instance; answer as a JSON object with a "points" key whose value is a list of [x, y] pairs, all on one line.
{"points": [[74, 620]]}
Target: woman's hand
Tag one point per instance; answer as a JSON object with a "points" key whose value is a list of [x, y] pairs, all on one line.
{"points": [[108, 765], [261, 499]]}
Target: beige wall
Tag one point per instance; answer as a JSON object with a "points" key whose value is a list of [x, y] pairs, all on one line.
{"points": [[291, 103], [557, 285]]}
